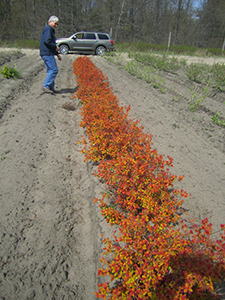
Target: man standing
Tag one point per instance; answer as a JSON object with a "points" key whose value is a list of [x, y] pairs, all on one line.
{"points": [[48, 50]]}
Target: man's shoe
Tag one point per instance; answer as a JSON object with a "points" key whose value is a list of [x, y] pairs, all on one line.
{"points": [[46, 90]]}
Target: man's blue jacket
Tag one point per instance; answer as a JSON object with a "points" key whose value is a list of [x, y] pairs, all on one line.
{"points": [[47, 41]]}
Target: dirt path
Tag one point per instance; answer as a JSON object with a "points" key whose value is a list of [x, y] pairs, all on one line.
{"points": [[50, 233], [50, 230]]}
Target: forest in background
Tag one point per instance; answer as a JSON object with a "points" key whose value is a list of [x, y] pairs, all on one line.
{"points": [[148, 21]]}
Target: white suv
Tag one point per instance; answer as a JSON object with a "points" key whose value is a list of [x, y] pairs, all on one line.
{"points": [[86, 42]]}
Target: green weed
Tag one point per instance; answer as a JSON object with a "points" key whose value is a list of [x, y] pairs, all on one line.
{"points": [[177, 99], [198, 73], [145, 72], [195, 102], [157, 82], [10, 72], [217, 119], [132, 67], [218, 74], [212, 76], [2, 158]]}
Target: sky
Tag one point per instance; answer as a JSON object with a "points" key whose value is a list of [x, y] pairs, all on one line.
{"points": [[197, 3]]}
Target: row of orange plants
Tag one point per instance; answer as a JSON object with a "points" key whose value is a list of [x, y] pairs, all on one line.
{"points": [[155, 254]]}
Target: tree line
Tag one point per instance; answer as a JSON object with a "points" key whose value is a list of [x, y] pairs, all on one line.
{"points": [[129, 20]]}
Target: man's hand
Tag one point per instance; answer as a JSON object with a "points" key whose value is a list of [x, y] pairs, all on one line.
{"points": [[58, 55]]}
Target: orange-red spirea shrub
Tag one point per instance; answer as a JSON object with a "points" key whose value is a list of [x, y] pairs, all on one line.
{"points": [[154, 254]]}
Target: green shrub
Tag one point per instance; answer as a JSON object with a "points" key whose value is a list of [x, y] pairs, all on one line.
{"points": [[199, 73], [214, 51], [218, 71], [160, 62], [212, 76], [10, 72], [181, 49]]}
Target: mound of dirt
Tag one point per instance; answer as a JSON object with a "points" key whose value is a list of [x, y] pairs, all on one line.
{"points": [[29, 64], [7, 56]]}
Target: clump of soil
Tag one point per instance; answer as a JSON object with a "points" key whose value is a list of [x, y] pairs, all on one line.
{"points": [[69, 106]]}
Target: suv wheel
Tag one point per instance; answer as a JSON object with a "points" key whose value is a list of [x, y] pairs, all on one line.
{"points": [[64, 49], [100, 50]]}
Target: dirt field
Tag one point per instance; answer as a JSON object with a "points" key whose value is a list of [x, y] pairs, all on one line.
{"points": [[50, 234]]}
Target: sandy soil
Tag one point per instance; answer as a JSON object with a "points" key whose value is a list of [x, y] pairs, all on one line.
{"points": [[196, 144], [50, 230]]}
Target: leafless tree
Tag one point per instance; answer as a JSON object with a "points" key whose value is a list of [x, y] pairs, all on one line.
{"points": [[130, 20]]}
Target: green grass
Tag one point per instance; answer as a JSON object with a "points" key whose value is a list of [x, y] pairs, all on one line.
{"points": [[21, 43], [174, 49], [126, 47]]}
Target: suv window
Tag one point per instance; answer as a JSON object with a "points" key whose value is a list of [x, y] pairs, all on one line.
{"points": [[102, 36], [79, 35], [90, 36]]}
